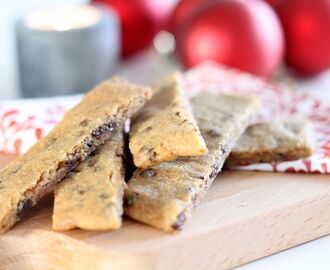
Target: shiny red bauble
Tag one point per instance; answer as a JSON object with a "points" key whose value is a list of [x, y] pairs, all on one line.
{"points": [[241, 33], [140, 21], [306, 24]]}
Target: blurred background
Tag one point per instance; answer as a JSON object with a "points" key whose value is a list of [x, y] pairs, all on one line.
{"points": [[51, 47]]}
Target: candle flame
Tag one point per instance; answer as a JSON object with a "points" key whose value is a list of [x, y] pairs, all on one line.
{"points": [[63, 18]]}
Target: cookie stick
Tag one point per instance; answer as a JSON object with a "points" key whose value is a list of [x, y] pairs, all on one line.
{"points": [[87, 125], [92, 198], [165, 128], [164, 195], [273, 141]]}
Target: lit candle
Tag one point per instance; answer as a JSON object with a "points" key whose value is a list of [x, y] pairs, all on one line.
{"points": [[66, 49]]}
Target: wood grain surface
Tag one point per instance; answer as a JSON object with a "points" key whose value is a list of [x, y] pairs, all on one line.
{"points": [[245, 216]]}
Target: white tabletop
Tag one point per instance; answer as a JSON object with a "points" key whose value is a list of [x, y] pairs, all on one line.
{"points": [[314, 255]]}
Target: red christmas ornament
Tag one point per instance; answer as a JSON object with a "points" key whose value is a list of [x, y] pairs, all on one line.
{"points": [[140, 21], [306, 26], [243, 34]]}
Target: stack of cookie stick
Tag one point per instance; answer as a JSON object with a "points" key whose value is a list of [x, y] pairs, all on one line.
{"points": [[178, 146], [83, 128]]}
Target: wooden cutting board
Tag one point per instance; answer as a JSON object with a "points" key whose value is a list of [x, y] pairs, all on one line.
{"points": [[245, 216]]}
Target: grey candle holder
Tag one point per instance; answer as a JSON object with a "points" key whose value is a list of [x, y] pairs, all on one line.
{"points": [[66, 62]]}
